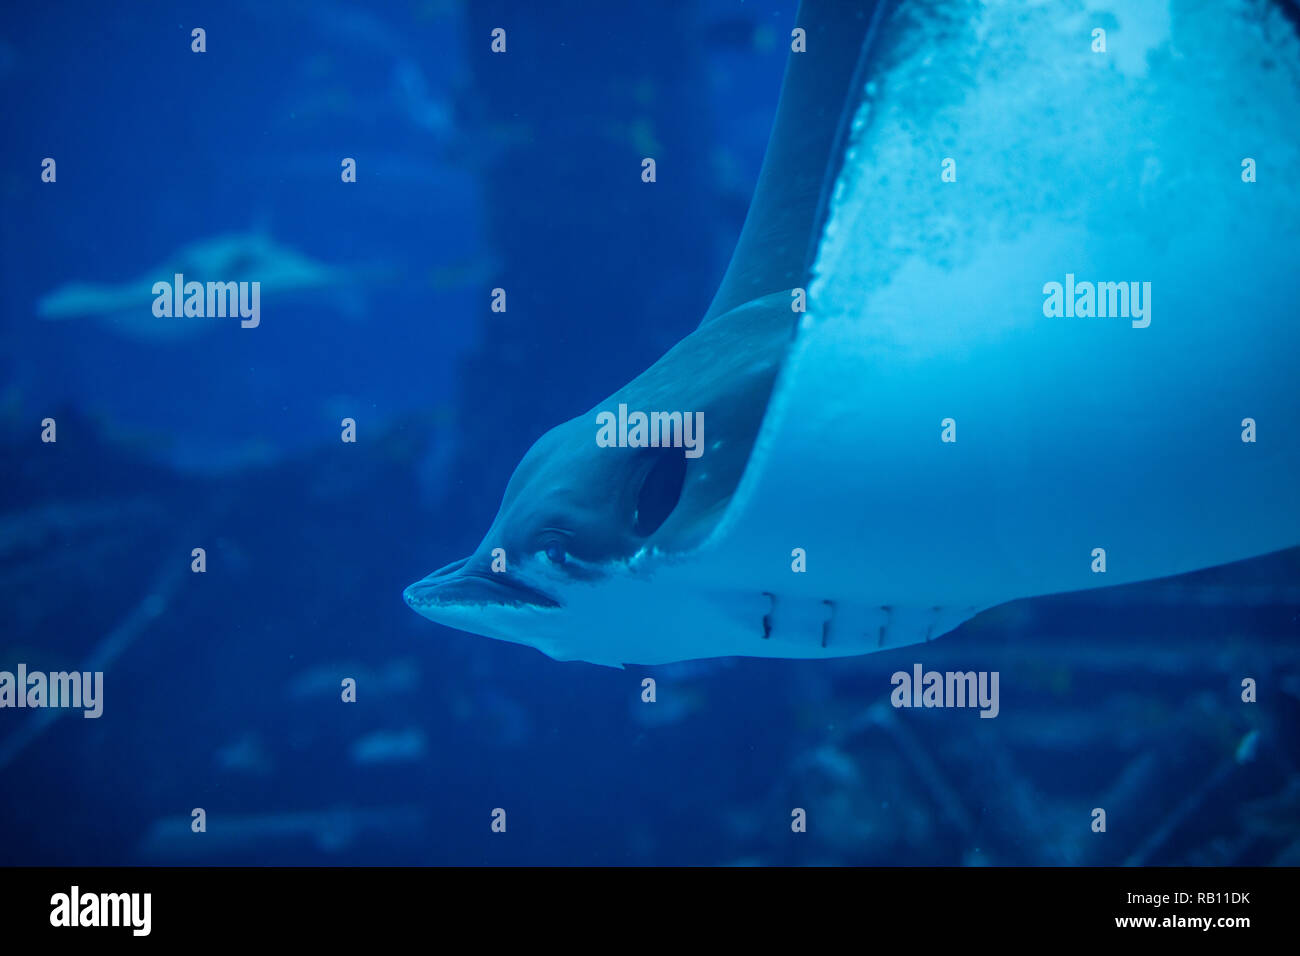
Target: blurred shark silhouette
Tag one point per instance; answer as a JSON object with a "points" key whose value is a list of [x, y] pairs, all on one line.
{"points": [[127, 307]]}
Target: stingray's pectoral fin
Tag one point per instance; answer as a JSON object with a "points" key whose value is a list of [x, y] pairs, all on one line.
{"points": [[82, 300]]}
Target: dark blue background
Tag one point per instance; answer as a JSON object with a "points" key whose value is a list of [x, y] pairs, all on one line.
{"points": [[477, 171]]}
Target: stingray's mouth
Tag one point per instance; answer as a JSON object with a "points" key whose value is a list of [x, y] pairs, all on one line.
{"points": [[460, 586]]}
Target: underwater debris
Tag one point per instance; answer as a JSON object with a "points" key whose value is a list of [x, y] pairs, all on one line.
{"points": [[389, 746], [328, 831]]}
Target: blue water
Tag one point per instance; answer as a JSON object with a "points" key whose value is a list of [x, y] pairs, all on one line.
{"points": [[222, 689]]}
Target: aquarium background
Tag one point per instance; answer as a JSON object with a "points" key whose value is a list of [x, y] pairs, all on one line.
{"points": [[475, 170]]}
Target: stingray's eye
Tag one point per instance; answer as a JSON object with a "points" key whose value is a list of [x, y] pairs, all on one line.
{"points": [[552, 544], [660, 492]]}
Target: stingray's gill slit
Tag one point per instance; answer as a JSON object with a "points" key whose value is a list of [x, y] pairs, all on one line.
{"points": [[826, 624]]}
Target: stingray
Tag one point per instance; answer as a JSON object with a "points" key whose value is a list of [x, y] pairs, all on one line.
{"points": [[127, 307], [902, 424]]}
